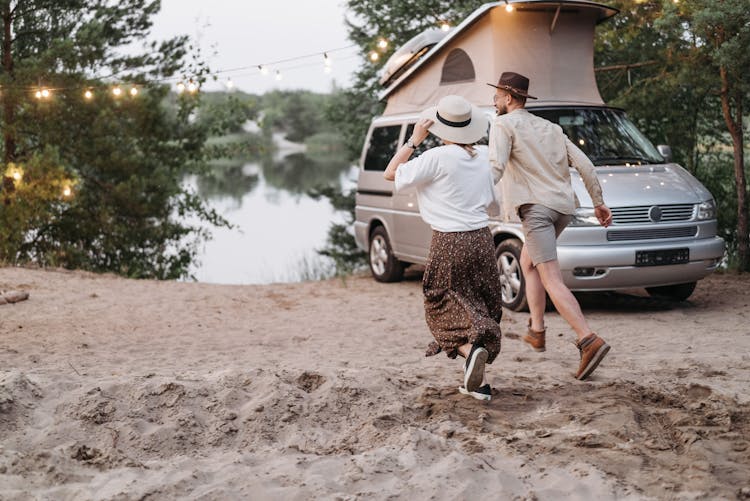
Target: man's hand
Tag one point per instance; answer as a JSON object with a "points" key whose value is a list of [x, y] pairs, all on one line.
{"points": [[603, 214], [421, 129]]}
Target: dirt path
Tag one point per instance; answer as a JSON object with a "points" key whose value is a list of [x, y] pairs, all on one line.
{"points": [[120, 389]]}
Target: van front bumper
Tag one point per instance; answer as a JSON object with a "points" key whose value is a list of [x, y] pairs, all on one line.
{"points": [[599, 267]]}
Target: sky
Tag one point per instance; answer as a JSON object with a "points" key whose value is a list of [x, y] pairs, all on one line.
{"points": [[247, 33]]}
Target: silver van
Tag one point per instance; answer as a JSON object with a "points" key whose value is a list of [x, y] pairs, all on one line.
{"points": [[663, 235]]}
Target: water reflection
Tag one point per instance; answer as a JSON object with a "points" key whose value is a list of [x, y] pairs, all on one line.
{"points": [[278, 227]]}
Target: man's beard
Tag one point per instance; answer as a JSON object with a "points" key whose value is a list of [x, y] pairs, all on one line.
{"points": [[501, 109]]}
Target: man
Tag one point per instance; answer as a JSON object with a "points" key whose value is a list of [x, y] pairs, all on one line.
{"points": [[535, 156]]}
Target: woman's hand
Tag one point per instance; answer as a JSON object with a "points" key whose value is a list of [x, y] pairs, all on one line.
{"points": [[421, 129]]}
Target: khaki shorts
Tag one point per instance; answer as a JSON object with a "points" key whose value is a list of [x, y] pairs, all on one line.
{"points": [[541, 227]]}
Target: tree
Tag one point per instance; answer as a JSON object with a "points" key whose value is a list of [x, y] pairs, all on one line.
{"points": [[96, 179], [678, 69], [396, 22], [719, 46]]}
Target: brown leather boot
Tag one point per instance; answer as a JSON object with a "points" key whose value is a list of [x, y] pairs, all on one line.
{"points": [[593, 349], [536, 339]]}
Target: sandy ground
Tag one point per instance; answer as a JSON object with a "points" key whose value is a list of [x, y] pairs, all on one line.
{"points": [[121, 389]]}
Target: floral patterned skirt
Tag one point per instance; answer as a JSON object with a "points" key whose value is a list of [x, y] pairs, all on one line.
{"points": [[462, 297]]}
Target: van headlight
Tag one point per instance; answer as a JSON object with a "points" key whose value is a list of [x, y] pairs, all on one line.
{"points": [[707, 210], [584, 216]]}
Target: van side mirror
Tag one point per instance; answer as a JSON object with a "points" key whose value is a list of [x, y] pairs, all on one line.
{"points": [[665, 151]]}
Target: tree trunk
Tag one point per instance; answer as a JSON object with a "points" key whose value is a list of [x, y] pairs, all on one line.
{"points": [[736, 130], [9, 108]]}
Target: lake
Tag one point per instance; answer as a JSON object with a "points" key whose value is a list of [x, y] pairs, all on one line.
{"points": [[277, 226]]}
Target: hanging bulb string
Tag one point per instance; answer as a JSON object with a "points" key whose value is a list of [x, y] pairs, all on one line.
{"points": [[95, 85]]}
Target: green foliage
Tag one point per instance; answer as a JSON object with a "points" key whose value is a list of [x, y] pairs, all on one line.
{"points": [[341, 246], [126, 156], [299, 114], [667, 62], [397, 22]]}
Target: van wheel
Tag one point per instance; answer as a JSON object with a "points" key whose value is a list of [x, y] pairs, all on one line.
{"points": [[383, 264], [512, 283], [679, 292]]}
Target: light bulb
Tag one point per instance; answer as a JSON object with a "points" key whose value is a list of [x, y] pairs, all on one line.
{"points": [[230, 84], [180, 88], [263, 70], [383, 43], [278, 75], [38, 94], [508, 7], [67, 191], [117, 91], [45, 93], [445, 26], [192, 87], [17, 176], [133, 91], [88, 94], [374, 56]]}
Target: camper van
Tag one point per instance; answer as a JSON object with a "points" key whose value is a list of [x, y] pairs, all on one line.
{"points": [[663, 235]]}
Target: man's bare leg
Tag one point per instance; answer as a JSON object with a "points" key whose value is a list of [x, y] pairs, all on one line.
{"points": [[564, 300], [535, 295]]}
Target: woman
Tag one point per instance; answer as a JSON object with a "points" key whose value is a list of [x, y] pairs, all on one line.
{"points": [[454, 187]]}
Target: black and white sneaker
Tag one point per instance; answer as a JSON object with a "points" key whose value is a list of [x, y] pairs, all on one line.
{"points": [[474, 368], [484, 392]]}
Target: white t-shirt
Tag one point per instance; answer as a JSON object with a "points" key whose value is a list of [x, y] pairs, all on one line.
{"points": [[454, 190]]}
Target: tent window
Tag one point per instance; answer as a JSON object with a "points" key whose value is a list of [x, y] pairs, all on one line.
{"points": [[457, 68]]}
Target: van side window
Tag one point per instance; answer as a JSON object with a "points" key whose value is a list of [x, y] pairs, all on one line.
{"points": [[430, 141], [382, 147]]}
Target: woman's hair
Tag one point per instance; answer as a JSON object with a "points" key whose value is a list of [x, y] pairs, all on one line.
{"points": [[469, 148]]}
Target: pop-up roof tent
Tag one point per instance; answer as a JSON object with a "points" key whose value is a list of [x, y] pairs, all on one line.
{"points": [[552, 43]]}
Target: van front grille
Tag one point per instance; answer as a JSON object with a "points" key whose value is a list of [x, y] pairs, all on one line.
{"points": [[643, 214], [652, 233]]}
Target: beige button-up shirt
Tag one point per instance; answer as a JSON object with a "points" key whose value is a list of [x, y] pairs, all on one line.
{"points": [[535, 156]]}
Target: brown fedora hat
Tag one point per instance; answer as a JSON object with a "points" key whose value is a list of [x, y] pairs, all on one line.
{"points": [[513, 83]]}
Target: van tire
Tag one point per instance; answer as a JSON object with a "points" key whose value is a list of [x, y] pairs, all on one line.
{"points": [[678, 292], [383, 264], [512, 282]]}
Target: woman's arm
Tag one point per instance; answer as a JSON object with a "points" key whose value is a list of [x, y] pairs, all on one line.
{"points": [[403, 153]]}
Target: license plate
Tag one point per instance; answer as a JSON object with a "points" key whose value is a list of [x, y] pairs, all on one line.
{"points": [[662, 257]]}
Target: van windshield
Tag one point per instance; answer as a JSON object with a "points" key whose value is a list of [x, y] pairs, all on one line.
{"points": [[605, 135]]}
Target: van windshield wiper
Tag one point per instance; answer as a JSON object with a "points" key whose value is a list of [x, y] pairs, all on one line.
{"points": [[605, 160]]}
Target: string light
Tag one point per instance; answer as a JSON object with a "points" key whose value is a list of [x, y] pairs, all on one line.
{"points": [[445, 26], [374, 56], [67, 191], [17, 176], [508, 7], [121, 89], [382, 44]]}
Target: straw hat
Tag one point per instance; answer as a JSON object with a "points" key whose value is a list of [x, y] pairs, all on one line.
{"points": [[456, 120]]}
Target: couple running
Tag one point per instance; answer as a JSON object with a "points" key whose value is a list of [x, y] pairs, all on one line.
{"points": [[455, 185]]}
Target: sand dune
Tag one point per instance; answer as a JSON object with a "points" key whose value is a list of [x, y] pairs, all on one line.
{"points": [[120, 389]]}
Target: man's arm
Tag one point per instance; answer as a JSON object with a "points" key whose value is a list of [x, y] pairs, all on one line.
{"points": [[585, 168], [499, 150]]}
